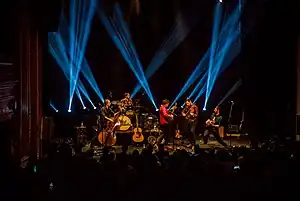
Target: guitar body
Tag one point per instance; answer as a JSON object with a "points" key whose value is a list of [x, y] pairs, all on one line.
{"points": [[137, 132], [138, 137]]}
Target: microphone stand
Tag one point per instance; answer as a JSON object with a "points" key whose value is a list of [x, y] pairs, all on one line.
{"points": [[229, 119]]}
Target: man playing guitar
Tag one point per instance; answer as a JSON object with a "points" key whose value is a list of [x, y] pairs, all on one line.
{"points": [[190, 113], [212, 126], [164, 119]]}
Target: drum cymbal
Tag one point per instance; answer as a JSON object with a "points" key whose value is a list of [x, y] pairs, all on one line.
{"points": [[80, 127], [114, 102]]}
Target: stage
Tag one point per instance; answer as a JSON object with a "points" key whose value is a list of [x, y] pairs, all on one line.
{"points": [[237, 142]]}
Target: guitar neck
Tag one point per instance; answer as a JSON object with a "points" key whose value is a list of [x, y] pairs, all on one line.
{"points": [[137, 121]]}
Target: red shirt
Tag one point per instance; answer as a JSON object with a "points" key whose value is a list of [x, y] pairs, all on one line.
{"points": [[163, 115]]}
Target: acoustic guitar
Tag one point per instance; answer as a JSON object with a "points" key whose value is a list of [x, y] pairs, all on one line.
{"points": [[137, 132]]}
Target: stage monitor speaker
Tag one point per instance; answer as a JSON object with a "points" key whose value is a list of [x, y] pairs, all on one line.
{"points": [[233, 129]]}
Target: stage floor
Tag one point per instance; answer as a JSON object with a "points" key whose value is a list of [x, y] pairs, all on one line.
{"points": [[171, 148]]}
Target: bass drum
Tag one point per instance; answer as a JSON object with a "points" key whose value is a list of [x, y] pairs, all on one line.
{"points": [[151, 122], [125, 123]]}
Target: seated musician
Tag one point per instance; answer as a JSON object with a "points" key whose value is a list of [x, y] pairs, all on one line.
{"points": [[190, 113], [212, 126], [106, 112], [126, 101]]}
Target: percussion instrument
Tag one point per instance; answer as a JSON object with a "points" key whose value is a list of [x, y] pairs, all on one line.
{"points": [[153, 135], [130, 113], [151, 122], [125, 123], [115, 102]]}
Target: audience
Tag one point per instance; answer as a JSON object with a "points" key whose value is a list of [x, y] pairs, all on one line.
{"points": [[236, 173]]}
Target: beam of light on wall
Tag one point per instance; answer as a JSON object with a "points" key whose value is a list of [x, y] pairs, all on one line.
{"points": [[53, 107], [231, 91], [215, 39], [80, 98], [226, 56], [199, 85], [125, 33], [85, 68], [65, 68], [204, 62], [57, 50], [81, 15], [233, 32], [123, 48], [221, 46], [200, 68], [177, 35]]}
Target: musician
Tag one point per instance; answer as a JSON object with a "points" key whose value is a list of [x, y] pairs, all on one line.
{"points": [[126, 101], [190, 113], [212, 126], [106, 112], [164, 119]]}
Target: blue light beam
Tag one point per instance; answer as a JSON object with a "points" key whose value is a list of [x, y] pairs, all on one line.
{"points": [[81, 15]]}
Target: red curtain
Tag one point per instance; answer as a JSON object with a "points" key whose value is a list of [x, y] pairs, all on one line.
{"points": [[30, 62]]}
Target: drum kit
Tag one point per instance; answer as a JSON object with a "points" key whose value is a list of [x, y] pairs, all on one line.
{"points": [[129, 118]]}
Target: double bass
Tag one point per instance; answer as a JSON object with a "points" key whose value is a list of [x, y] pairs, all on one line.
{"points": [[107, 136]]}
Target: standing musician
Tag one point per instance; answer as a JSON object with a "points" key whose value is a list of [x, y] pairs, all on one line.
{"points": [[106, 112], [126, 101], [212, 126], [190, 113], [164, 120]]}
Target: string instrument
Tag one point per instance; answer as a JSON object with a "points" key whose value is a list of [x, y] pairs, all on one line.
{"points": [[241, 126], [177, 133], [137, 132], [171, 112], [190, 113], [210, 122], [107, 136]]}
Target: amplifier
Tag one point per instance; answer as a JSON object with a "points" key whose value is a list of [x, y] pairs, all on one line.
{"points": [[233, 129]]}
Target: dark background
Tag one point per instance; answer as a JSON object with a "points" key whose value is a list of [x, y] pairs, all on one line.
{"points": [[267, 63], [148, 30]]}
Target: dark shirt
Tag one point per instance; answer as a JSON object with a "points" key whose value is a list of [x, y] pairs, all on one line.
{"points": [[217, 119], [126, 102], [106, 112], [191, 112]]}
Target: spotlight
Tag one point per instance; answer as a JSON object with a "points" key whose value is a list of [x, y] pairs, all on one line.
{"points": [[204, 109], [56, 110], [95, 108], [157, 110], [69, 110], [84, 107], [220, 1]]}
